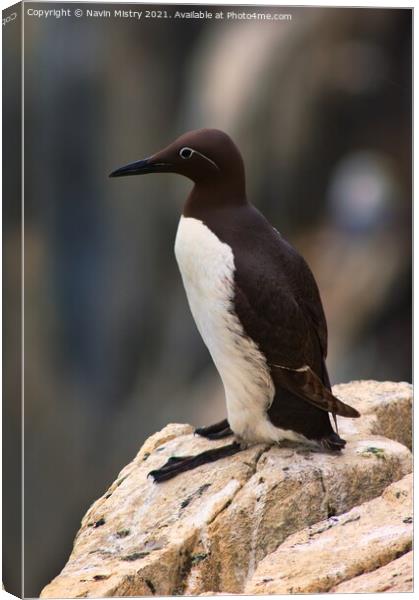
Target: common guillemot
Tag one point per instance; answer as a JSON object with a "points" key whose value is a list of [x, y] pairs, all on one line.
{"points": [[255, 303]]}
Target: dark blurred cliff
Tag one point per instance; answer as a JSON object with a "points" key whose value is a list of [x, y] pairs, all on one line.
{"points": [[321, 108]]}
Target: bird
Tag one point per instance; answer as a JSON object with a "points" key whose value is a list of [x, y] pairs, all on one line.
{"points": [[255, 303]]}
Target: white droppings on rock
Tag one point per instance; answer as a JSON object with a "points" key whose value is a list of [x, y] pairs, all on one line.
{"points": [[215, 503]]}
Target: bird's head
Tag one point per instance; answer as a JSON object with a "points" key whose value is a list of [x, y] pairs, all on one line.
{"points": [[203, 155]]}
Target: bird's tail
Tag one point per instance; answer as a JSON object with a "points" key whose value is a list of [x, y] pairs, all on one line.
{"points": [[307, 385]]}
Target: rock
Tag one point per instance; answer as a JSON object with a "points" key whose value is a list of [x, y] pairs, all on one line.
{"points": [[209, 530], [396, 576], [318, 558], [140, 537], [386, 409], [291, 489]]}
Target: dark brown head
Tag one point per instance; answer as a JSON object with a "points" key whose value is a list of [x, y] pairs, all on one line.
{"points": [[206, 156]]}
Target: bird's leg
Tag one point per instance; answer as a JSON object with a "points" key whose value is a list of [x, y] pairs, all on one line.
{"points": [[178, 464], [336, 422], [215, 432]]}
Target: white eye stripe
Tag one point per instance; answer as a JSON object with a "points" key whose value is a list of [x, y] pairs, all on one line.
{"points": [[208, 159], [187, 152]]}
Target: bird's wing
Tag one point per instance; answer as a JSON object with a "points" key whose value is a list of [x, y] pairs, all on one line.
{"points": [[278, 303], [290, 344], [305, 290]]}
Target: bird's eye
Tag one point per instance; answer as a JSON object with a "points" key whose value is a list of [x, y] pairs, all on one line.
{"points": [[185, 153]]}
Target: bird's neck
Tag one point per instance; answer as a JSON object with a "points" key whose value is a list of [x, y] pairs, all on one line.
{"points": [[214, 194]]}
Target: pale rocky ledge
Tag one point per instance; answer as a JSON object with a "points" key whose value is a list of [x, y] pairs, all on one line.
{"points": [[269, 520]]}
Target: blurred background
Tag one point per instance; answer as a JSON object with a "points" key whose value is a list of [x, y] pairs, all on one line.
{"points": [[320, 107]]}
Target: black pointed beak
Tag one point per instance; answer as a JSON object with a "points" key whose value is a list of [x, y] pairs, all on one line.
{"points": [[141, 167]]}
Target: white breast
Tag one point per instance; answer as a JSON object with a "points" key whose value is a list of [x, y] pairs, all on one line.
{"points": [[207, 268]]}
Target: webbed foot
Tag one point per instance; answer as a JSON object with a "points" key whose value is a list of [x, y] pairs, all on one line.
{"points": [[177, 464], [215, 432]]}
